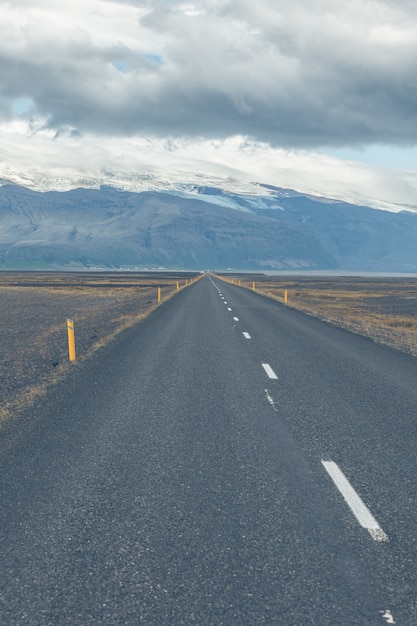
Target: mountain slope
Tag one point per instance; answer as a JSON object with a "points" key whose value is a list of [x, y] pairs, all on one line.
{"points": [[108, 227], [200, 228], [357, 237]]}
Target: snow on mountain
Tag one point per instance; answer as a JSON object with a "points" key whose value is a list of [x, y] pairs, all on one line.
{"points": [[204, 223], [227, 192]]}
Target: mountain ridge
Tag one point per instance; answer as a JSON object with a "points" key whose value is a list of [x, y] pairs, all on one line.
{"points": [[199, 227], [177, 182]]}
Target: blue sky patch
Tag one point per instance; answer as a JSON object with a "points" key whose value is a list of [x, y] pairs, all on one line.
{"points": [[22, 105], [127, 66]]}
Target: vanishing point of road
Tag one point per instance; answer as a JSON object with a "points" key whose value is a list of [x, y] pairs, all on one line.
{"points": [[228, 461]]}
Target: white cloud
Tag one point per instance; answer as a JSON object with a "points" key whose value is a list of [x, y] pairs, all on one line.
{"points": [[94, 78], [39, 159]]}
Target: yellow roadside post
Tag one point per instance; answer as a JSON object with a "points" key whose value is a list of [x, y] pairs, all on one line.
{"points": [[253, 286], [285, 296], [159, 294], [178, 286], [71, 340]]}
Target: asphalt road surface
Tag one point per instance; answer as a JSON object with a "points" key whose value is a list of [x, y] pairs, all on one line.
{"points": [[227, 461]]}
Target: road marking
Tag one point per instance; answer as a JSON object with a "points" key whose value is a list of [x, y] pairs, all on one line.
{"points": [[225, 302], [356, 505], [236, 319], [388, 617], [246, 335], [228, 308], [271, 400], [268, 369]]}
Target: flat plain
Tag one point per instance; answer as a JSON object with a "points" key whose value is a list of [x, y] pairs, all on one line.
{"points": [[35, 307], [383, 309]]}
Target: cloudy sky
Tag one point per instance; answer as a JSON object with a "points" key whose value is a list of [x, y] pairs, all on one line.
{"points": [[317, 95]]}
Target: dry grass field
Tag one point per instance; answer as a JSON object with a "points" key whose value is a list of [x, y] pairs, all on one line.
{"points": [[33, 330], [384, 309]]}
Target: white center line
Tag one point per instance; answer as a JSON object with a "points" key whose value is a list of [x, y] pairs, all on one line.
{"points": [[387, 616], [358, 508], [247, 335], [268, 369], [228, 308], [271, 400], [236, 319]]}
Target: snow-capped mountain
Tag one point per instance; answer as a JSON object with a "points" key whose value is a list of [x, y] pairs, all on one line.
{"points": [[195, 225], [220, 190]]}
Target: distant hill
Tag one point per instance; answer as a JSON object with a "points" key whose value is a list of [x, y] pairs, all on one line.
{"points": [[200, 228]]}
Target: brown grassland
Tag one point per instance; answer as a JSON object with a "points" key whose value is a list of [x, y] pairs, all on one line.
{"points": [[383, 309], [33, 332]]}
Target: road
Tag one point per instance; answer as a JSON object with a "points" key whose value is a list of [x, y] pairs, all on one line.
{"points": [[227, 461]]}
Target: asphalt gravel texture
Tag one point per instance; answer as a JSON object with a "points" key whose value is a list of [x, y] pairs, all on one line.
{"points": [[168, 480]]}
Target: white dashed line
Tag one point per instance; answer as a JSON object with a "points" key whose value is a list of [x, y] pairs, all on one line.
{"points": [[358, 508], [271, 400], [270, 372], [247, 335], [228, 308], [236, 319], [387, 616]]}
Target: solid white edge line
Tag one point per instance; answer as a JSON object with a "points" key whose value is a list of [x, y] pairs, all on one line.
{"points": [[356, 505], [246, 335], [270, 372]]}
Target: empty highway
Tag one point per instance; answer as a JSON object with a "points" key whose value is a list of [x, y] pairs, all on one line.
{"points": [[228, 461]]}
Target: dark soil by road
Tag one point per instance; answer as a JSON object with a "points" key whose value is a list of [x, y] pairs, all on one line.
{"points": [[34, 311]]}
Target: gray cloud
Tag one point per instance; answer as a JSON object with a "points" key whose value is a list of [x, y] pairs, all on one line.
{"points": [[308, 74]]}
